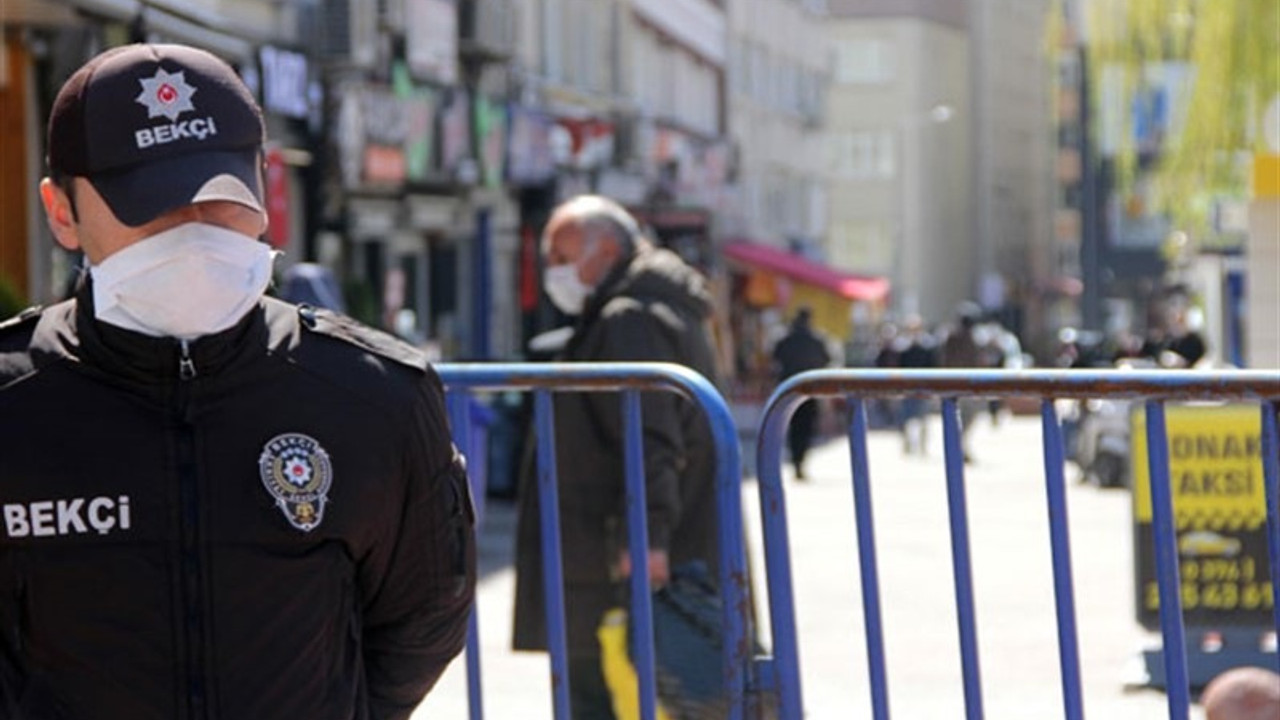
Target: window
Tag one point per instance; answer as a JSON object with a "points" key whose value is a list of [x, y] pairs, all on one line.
{"points": [[740, 66], [864, 244], [760, 74], [864, 155], [864, 62]]}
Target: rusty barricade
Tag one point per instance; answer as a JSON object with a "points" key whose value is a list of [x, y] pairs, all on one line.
{"points": [[1152, 388], [629, 380]]}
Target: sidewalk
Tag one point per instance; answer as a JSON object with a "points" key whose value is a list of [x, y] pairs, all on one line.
{"points": [[1012, 585]]}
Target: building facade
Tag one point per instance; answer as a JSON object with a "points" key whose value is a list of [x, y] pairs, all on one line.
{"points": [[899, 120], [941, 130], [780, 69], [1065, 284], [1013, 149]]}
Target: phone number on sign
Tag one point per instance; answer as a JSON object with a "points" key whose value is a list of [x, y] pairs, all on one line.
{"points": [[1216, 595]]}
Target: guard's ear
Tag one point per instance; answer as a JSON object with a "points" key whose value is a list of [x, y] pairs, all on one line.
{"points": [[61, 213]]}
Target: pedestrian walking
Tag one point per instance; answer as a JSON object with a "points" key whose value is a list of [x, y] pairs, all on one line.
{"points": [[1186, 347], [633, 302], [799, 350], [918, 351], [961, 349], [883, 411], [216, 504]]}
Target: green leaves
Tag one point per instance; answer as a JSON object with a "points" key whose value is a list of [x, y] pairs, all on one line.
{"points": [[1233, 50]]}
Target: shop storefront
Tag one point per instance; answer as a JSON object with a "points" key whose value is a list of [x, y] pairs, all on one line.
{"points": [[399, 211], [768, 285]]}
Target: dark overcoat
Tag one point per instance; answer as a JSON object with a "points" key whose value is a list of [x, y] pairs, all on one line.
{"points": [[651, 307]]}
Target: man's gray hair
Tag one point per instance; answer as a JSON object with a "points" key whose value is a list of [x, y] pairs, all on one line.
{"points": [[596, 214]]}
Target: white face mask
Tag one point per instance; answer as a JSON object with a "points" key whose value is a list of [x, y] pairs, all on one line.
{"points": [[565, 288], [191, 280]]}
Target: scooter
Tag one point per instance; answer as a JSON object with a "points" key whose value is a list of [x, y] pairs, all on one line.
{"points": [[1104, 443]]}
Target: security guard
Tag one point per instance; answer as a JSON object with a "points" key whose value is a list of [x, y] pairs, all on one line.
{"points": [[215, 504]]}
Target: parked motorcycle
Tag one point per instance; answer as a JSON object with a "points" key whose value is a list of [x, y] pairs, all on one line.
{"points": [[1095, 436]]}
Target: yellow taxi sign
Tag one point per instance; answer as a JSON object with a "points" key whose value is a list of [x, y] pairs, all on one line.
{"points": [[1215, 467]]}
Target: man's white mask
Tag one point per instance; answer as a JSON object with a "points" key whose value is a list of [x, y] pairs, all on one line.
{"points": [[565, 288], [191, 280]]}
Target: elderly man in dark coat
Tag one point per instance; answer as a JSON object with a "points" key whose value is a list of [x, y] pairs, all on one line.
{"points": [[633, 302]]}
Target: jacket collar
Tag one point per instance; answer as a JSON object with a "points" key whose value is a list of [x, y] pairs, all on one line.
{"points": [[613, 283], [143, 358]]}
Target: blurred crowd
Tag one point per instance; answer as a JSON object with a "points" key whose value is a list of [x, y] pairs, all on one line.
{"points": [[1179, 345]]}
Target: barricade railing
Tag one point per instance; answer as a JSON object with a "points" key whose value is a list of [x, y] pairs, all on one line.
{"points": [[1153, 388], [628, 379]]}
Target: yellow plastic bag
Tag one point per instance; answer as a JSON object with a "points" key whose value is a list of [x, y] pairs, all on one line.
{"points": [[619, 674]]}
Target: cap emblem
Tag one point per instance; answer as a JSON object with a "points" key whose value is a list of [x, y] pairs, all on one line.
{"points": [[298, 474], [166, 94]]}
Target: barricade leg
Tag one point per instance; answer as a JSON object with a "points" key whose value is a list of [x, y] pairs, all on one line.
{"points": [[1060, 543], [1271, 480], [867, 559], [641, 611], [459, 420], [552, 564], [1167, 574], [777, 552], [960, 559]]}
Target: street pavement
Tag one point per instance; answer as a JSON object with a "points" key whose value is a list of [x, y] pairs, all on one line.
{"points": [[1013, 589]]}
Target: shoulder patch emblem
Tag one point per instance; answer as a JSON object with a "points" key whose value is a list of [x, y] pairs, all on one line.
{"points": [[298, 474]]}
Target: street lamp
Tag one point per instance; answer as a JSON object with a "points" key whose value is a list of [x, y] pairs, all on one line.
{"points": [[906, 299]]}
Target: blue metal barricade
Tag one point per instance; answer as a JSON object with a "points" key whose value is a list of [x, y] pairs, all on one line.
{"points": [[1151, 387], [629, 379]]}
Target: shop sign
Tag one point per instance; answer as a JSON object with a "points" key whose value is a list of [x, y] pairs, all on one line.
{"points": [[420, 114], [386, 129], [385, 120], [419, 109], [590, 143], [349, 137], [455, 135], [285, 88], [1219, 512], [278, 225], [431, 39], [491, 128], [529, 157], [383, 165], [381, 136]]}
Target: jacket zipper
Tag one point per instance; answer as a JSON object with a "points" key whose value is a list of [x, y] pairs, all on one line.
{"points": [[192, 605]]}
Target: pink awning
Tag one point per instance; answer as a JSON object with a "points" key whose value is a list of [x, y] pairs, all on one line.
{"points": [[869, 288]]}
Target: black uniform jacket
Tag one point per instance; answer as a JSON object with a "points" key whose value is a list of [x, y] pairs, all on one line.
{"points": [[269, 523]]}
